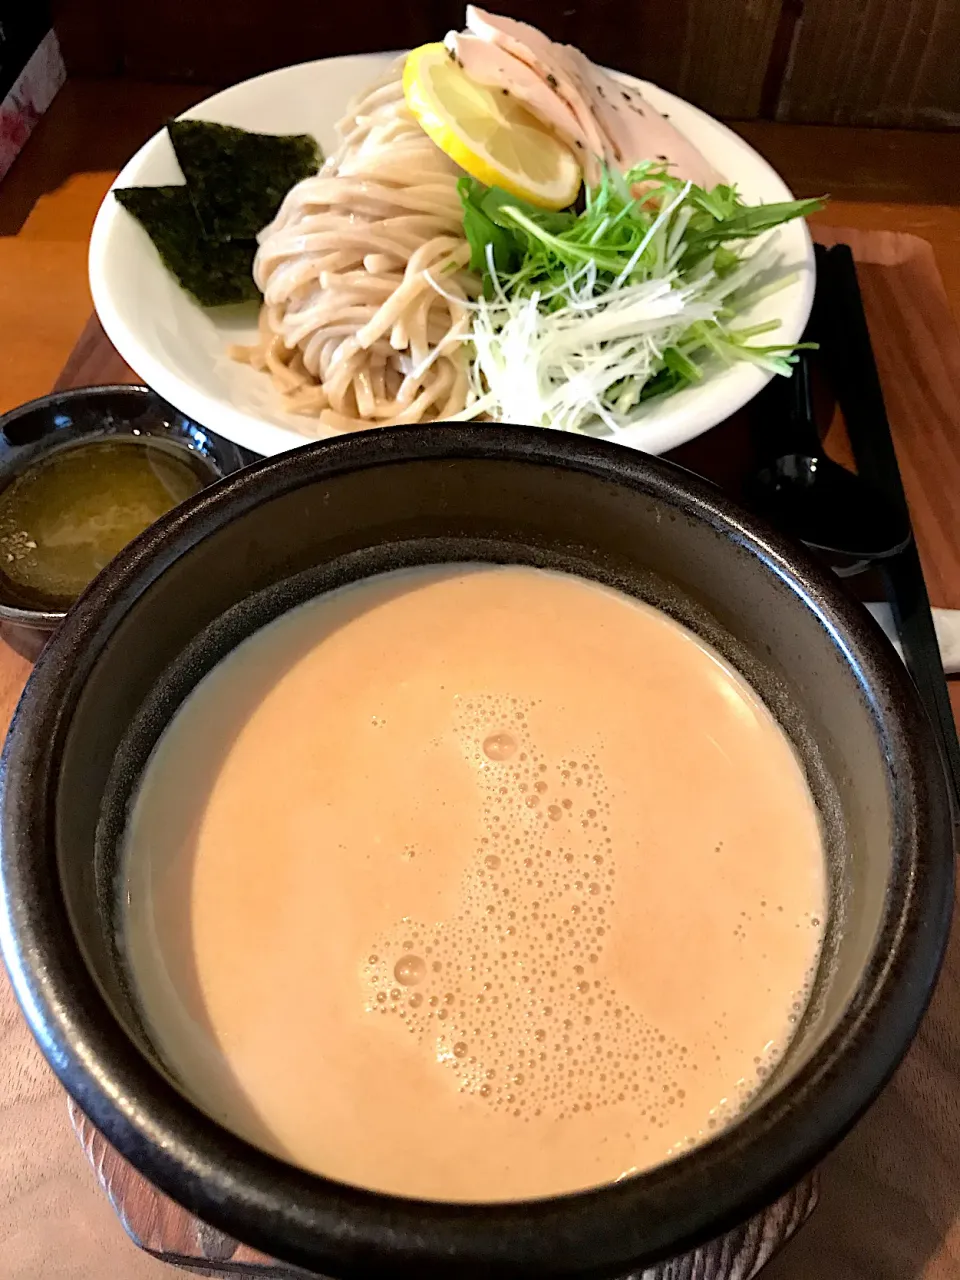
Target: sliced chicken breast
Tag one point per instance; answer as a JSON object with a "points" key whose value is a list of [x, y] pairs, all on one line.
{"points": [[491, 66], [605, 122], [638, 131], [554, 75]]}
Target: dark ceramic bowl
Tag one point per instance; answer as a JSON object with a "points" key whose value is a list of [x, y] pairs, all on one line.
{"points": [[35, 430], [238, 554]]}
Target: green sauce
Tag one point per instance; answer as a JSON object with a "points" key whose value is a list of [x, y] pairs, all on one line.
{"points": [[65, 518]]}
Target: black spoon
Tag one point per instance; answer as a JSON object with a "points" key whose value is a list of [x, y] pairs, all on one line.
{"points": [[808, 495]]}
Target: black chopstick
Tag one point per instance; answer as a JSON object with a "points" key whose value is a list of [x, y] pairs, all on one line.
{"points": [[856, 383]]}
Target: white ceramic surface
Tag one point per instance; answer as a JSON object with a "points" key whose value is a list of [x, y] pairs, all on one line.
{"points": [[178, 348]]}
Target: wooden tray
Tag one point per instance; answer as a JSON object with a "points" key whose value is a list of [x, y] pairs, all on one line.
{"points": [[890, 1202]]}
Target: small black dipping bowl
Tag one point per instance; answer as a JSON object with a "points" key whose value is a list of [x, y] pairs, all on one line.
{"points": [[34, 431], [240, 553]]}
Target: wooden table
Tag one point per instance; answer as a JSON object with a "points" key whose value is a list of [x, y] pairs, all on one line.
{"points": [[890, 1203]]}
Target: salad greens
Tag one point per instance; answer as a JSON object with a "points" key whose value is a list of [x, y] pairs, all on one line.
{"points": [[587, 314]]}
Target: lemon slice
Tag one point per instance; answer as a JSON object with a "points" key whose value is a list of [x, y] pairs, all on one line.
{"points": [[487, 132]]}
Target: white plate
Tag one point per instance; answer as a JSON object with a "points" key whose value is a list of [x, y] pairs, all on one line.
{"points": [[178, 348]]}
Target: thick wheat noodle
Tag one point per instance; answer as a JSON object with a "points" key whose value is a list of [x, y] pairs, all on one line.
{"points": [[352, 330]]}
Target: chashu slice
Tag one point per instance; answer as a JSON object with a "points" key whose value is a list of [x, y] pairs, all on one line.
{"points": [[638, 131], [603, 120], [551, 71], [493, 67]]}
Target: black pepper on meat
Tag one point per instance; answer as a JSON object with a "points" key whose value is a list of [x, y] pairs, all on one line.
{"points": [[617, 153]]}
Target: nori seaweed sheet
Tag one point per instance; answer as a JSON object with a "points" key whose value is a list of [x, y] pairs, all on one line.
{"points": [[237, 180], [214, 273]]}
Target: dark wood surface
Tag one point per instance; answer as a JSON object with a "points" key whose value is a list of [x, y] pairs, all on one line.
{"points": [[918, 170], [220, 41], [91, 36], [874, 62], [66, 142], [890, 165], [855, 61]]}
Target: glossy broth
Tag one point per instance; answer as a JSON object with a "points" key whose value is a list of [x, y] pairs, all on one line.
{"points": [[66, 517]]}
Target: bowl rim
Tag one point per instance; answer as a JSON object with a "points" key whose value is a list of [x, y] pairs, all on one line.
{"points": [[316, 1222], [95, 391], [50, 619], [44, 620]]}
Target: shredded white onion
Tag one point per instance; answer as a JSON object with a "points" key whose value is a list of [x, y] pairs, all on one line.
{"points": [[558, 367]]}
